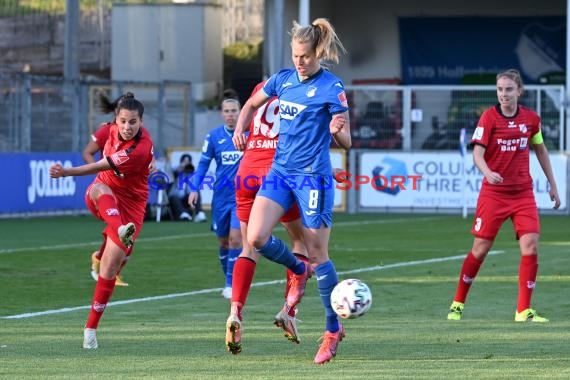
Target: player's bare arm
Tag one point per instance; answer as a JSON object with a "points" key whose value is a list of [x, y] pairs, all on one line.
{"points": [[340, 130], [479, 161], [544, 160], [193, 199], [57, 170], [89, 152], [245, 117]]}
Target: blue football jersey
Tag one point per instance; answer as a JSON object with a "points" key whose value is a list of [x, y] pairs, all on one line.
{"points": [[306, 109], [218, 146]]}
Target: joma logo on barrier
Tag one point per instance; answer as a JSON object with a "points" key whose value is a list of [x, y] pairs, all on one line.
{"points": [[41, 185]]}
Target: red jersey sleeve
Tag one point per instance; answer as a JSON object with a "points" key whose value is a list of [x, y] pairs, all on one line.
{"points": [[484, 128], [536, 125], [101, 135]]}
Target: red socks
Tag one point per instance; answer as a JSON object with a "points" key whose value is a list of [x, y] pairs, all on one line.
{"points": [[528, 270], [527, 277], [103, 291], [109, 211], [244, 269], [468, 273]]}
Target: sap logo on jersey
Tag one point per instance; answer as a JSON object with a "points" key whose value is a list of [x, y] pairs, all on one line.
{"points": [[289, 110], [231, 158]]}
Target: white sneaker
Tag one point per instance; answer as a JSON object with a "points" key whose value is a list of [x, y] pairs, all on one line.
{"points": [[126, 233], [90, 339], [227, 293], [200, 217], [185, 216]]}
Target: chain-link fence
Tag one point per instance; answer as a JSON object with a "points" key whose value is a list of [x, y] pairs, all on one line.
{"points": [[32, 32], [412, 118], [44, 114], [32, 35], [48, 114]]}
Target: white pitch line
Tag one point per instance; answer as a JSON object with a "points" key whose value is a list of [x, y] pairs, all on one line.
{"points": [[189, 236], [92, 243], [257, 284]]}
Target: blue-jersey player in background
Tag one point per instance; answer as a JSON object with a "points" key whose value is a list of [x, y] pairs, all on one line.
{"points": [[313, 110], [218, 146]]}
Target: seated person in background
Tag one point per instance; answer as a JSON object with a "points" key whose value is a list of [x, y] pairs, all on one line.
{"points": [[178, 197], [438, 138]]}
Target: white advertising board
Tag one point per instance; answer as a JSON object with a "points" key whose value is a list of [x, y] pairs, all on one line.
{"points": [[437, 180]]}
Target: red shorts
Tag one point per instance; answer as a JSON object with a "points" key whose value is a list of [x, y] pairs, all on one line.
{"points": [[248, 182], [126, 216], [494, 208]]}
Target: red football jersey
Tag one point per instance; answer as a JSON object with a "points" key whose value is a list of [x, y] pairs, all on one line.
{"points": [[129, 171], [263, 134], [101, 135], [507, 142]]}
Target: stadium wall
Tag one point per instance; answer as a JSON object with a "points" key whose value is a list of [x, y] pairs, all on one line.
{"points": [[370, 31]]}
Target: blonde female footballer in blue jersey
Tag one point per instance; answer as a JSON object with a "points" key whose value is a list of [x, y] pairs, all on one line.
{"points": [[313, 110]]}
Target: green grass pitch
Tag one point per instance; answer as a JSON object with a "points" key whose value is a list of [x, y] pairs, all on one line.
{"points": [[170, 322]]}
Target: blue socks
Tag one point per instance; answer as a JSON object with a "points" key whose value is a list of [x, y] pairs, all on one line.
{"points": [[276, 251], [232, 257], [223, 256], [326, 281]]}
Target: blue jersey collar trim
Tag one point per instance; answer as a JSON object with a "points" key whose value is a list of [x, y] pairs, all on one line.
{"points": [[230, 132], [319, 72]]}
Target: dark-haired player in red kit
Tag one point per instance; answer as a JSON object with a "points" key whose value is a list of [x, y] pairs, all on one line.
{"points": [[502, 143], [118, 196], [256, 162], [94, 146]]}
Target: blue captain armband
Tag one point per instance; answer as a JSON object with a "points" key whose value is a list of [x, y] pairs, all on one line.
{"points": [[537, 139]]}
